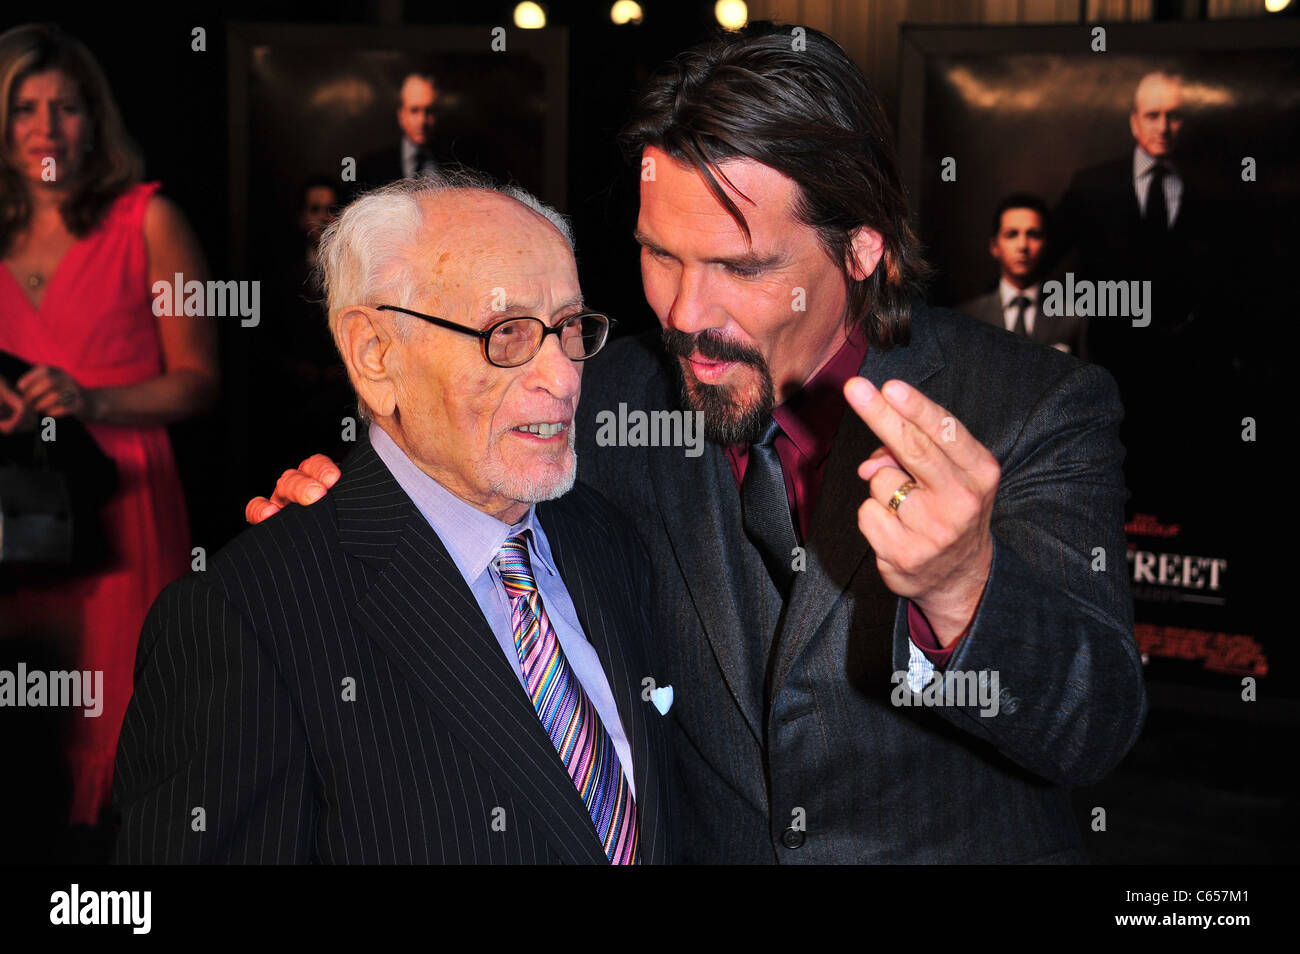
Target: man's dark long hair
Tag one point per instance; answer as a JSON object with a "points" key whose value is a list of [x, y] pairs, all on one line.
{"points": [[790, 98]]}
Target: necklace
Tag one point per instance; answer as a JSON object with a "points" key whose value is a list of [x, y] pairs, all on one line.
{"points": [[35, 281]]}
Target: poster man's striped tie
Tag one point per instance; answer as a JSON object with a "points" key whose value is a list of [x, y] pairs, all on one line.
{"points": [[567, 714]]}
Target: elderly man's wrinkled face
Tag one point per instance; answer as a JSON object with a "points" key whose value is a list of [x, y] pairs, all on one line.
{"points": [[1157, 118], [498, 438], [416, 114]]}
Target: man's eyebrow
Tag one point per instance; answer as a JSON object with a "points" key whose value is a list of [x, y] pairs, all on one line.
{"points": [[643, 239], [520, 309], [750, 260], [746, 260]]}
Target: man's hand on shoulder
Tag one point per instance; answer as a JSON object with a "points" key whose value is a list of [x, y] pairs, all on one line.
{"points": [[305, 485]]}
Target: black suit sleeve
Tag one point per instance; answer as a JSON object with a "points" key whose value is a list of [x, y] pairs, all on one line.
{"points": [[210, 728], [1063, 226], [1054, 625]]}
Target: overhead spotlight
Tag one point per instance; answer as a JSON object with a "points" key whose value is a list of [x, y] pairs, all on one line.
{"points": [[625, 11], [529, 16], [1276, 6], [731, 14]]}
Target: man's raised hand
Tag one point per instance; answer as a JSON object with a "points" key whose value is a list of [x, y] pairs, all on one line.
{"points": [[305, 485], [935, 546]]}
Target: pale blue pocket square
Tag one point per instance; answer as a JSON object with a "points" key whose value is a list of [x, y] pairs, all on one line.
{"points": [[662, 697]]}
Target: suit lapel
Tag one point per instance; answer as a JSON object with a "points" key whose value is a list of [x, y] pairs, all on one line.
{"points": [[423, 615], [836, 547], [689, 493], [614, 634]]}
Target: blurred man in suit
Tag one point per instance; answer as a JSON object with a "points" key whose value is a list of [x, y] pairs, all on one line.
{"points": [[1016, 244], [1138, 217], [412, 155], [1143, 217], [442, 662], [865, 518]]}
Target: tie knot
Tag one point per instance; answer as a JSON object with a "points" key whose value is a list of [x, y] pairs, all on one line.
{"points": [[516, 570], [1021, 301], [769, 434]]}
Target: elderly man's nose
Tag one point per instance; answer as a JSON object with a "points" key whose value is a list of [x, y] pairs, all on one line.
{"points": [[554, 370]]}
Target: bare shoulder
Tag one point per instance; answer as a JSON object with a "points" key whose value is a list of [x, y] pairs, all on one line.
{"points": [[164, 220], [172, 244]]}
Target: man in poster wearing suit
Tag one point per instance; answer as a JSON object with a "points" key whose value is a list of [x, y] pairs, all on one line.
{"points": [[1142, 217], [412, 155], [442, 662], [1017, 243], [866, 513]]}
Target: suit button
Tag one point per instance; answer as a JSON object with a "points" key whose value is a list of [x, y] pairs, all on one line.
{"points": [[791, 838]]}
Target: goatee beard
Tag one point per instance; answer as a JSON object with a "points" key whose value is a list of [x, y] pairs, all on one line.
{"points": [[726, 419]]}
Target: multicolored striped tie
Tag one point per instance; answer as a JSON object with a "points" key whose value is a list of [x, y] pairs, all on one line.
{"points": [[567, 714]]}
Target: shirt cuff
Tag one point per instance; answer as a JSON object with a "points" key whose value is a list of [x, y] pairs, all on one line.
{"points": [[923, 638]]}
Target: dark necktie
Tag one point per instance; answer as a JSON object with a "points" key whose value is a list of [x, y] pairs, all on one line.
{"points": [[1021, 302], [765, 509], [1157, 217]]}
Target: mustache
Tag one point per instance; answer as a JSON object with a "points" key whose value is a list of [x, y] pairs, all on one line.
{"points": [[709, 345]]}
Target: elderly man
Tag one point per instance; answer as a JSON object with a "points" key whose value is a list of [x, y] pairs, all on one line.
{"points": [[812, 624], [412, 155], [1145, 216], [434, 664]]}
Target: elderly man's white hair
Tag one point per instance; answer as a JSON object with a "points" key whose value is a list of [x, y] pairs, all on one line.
{"points": [[365, 255]]}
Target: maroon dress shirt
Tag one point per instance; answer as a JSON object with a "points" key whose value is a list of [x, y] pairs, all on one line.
{"points": [[809, 420]]}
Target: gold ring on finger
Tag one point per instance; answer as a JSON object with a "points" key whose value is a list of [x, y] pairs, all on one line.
{"points": [[900, 495]]}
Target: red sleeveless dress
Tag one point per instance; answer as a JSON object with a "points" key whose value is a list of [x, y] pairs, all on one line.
{"points": [[96, 322]]}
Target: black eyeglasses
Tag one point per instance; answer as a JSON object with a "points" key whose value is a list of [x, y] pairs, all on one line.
{"points": [[510, 342]]}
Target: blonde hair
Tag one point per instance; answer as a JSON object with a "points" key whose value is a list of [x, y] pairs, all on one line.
{"points": [[112, 165]]}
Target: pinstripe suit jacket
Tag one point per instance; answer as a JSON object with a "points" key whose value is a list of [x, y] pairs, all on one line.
{"points": [[789, 745], [329, 691]]}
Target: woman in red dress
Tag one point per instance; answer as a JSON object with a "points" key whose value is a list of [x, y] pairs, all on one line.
{"points": [[83, 241]]}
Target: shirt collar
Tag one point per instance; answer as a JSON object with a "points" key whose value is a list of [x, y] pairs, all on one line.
{"points": [[1144, 162], [1008, 292], [811, 416], [472, 537]]}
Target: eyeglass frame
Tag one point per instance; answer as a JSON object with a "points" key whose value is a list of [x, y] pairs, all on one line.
{"points": [[485, 334]]}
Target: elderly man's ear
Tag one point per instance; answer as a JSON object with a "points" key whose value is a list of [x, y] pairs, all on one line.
{"points": [[368, 342]]}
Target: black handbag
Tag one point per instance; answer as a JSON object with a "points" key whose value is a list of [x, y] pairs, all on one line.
{"points": [[51, 492]]}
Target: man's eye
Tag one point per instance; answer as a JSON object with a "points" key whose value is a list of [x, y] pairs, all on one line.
{"points": [[740, 272]]}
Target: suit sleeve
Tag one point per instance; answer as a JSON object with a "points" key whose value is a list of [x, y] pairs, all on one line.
{"points": [[1063, 226], [213, 765], [1053, 625]]}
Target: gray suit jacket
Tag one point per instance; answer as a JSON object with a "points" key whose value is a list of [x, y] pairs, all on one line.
{"points": [[1047, 330], [788, 745]]}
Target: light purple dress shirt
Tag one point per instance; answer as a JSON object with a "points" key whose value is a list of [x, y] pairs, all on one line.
{"points": [[472, 539]]}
